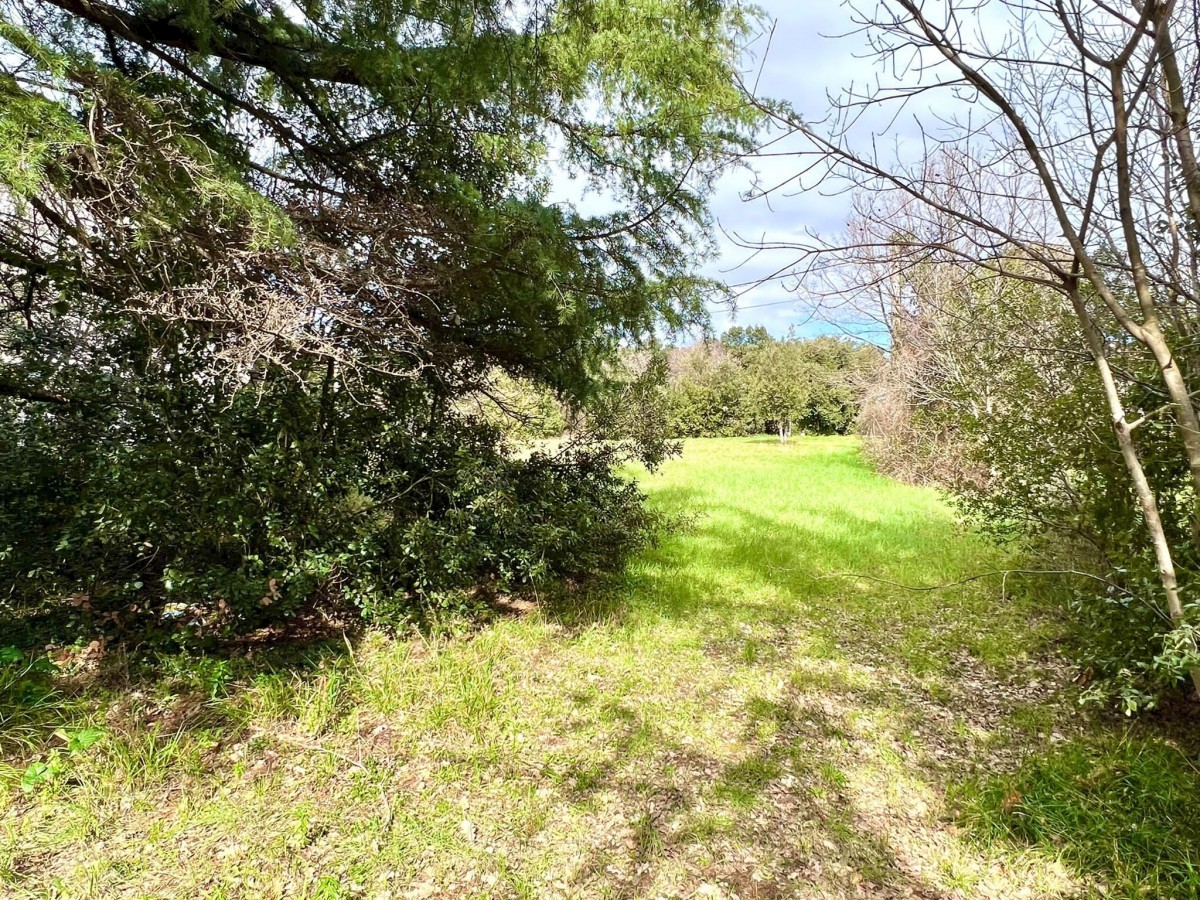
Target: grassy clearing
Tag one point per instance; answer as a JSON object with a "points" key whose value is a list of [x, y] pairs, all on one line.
{"points": [[732, 722]]}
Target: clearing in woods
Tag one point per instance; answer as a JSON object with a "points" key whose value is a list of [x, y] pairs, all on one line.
{"points": [[731, 722]]}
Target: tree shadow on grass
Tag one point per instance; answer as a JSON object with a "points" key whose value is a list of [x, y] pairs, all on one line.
{"points": [[807, 568], [134, 693], [797, 799], [937, 669], [776, 823]]}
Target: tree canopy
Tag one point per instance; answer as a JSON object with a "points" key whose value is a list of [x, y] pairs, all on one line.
{"points": [[367, 181]]}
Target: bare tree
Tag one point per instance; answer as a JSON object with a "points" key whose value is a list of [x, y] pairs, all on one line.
{"points": [[1075, 169]]}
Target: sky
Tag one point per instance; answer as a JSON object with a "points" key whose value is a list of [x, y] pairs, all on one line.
{"points": [[814, 50], [811, 54]]}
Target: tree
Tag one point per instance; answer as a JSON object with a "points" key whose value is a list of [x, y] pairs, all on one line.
{"points": [[1084, 167], [235, 167], [706, 392], [779, 385], [839, 371], [996, 402], [255, 256], [742, 338]]}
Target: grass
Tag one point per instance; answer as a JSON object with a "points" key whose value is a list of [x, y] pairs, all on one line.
{"points": [[1129, 809], [744, 717]]}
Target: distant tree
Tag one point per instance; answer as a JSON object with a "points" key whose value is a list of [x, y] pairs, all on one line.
{"points": [[706, 395], [742, 338], [779, 381], [516, 407], [749, 382]]}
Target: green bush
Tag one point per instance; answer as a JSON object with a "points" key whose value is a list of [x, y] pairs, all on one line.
{"points": [[191, 518]]}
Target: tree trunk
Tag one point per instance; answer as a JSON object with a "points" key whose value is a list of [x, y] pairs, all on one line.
{"points": [[1137, 473], [326, 399], [1177, 109]]}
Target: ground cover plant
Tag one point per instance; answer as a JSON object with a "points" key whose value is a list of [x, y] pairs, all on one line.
{"points": [[742, 718]]}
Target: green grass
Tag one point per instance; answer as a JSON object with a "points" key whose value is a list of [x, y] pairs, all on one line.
{"points": [[743, 715], [1128, 809]]}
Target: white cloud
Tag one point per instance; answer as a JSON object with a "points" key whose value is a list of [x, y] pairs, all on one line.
{"points": [[816, 50]]}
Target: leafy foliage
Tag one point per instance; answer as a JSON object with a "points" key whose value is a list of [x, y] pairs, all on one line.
{"points": [[227, 518], [258, 262], [518, 408], [749, 382]]}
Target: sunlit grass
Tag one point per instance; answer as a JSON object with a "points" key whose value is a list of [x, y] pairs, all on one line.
{"points": [[781, 532], [741, 715]]}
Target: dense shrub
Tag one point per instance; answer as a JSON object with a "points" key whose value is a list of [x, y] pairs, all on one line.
{"points": [[176, 510]]}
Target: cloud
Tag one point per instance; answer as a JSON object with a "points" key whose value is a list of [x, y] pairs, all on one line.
{"points": [[815, 50], [811, 53]]}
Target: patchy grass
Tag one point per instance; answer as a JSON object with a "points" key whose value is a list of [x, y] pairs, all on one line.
{"points": [[743, 718]]}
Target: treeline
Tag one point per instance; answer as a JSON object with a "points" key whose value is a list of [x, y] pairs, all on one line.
{"points": [[748, 382]]}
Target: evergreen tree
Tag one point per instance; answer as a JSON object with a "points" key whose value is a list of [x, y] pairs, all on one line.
{"points": [[255, 254]]}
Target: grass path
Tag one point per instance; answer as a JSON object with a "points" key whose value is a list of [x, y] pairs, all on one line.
{"points": [[733, 723]]}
